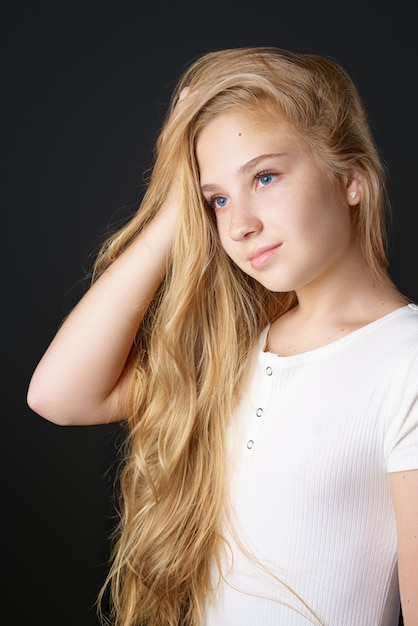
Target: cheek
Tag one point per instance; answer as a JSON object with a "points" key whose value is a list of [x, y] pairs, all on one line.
{"points": [[322, 214], [331, 232], [231, 249], [222, 230]]}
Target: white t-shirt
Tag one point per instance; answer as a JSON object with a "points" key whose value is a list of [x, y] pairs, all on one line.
{"points": [[314, 439]]}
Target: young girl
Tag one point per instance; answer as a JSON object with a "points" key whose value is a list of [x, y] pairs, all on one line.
{"points": [[244, 326]]}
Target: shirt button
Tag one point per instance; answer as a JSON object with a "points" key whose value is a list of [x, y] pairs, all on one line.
{"points": [[269, 371], [259, 412], [250, 444]]}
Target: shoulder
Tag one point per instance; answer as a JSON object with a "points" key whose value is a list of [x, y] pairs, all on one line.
{"points": [[401, 327], [400, 341]]}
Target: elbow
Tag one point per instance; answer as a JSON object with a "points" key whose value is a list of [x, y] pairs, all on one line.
{"points": [[40, 400]]}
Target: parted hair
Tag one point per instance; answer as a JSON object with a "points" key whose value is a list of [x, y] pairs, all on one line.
{"points": [[189, 361]]}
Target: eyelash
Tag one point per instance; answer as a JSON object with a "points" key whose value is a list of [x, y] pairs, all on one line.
{"points": [[212, 199], [266, 173]]}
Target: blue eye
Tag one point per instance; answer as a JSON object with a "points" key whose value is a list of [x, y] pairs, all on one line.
{"points": [[265, 179], [217, 202], [220, 201]]}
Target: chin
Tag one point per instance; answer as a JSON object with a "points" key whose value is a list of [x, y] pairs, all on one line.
{"points": [[274, 286]]}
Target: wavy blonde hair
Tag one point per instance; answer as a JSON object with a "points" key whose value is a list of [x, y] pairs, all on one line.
{"points": [[189, 361]]}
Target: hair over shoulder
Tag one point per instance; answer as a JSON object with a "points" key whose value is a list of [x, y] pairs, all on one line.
{"points": [[190, 357]]}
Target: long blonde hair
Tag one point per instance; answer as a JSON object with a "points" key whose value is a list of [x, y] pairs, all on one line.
{"points": [[189, 361]]}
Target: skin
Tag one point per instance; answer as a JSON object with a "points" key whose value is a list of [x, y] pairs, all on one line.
{"points": [[282, 221]]}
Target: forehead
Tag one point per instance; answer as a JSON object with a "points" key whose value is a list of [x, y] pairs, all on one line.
{"points": [[265, 118], [235, 137]]}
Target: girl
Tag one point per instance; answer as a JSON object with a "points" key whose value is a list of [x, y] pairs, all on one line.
{"points": [[244, 326]]}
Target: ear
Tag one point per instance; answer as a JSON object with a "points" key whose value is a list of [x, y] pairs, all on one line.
{"points": [[353, 187]]}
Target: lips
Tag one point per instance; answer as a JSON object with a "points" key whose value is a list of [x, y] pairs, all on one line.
{"points": [[261, 256]]}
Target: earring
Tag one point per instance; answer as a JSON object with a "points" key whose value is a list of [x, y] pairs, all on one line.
{"points": [[352, 194]]}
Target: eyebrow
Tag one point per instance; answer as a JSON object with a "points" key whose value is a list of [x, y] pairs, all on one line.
{"points": [[246, 167], [256, 160]]}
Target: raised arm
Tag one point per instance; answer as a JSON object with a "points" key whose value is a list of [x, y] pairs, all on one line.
{"points": [[79, 379]]}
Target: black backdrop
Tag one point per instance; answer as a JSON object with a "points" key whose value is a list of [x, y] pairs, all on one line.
{"points": [[84, 88]]}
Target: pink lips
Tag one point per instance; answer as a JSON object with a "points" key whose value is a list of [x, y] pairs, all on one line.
{"points": [[261, 256]]}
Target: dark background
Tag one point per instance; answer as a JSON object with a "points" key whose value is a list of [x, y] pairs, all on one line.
{"points": [[84, 90]]}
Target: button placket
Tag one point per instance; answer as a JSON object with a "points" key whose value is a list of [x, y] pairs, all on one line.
{"points": [[263, 394]]}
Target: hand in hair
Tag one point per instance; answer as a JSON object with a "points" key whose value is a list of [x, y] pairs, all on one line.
{"points": [[83, 377]]}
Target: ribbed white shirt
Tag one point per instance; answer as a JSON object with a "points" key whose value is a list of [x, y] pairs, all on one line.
{"points": [[314, 439]]}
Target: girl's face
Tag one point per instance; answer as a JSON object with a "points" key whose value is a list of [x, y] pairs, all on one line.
{"points": [[279, 217]]}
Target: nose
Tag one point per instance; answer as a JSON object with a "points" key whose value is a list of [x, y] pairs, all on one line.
{"points": [[244, 221]]}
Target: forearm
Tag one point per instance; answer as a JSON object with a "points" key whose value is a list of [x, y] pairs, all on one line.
{"points": [[79, 378]]}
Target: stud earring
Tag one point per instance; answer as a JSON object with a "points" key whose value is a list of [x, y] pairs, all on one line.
{"points": [[352, 194]]}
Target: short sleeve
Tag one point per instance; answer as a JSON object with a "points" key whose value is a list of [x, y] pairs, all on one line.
{"points": [[401, 439]]}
